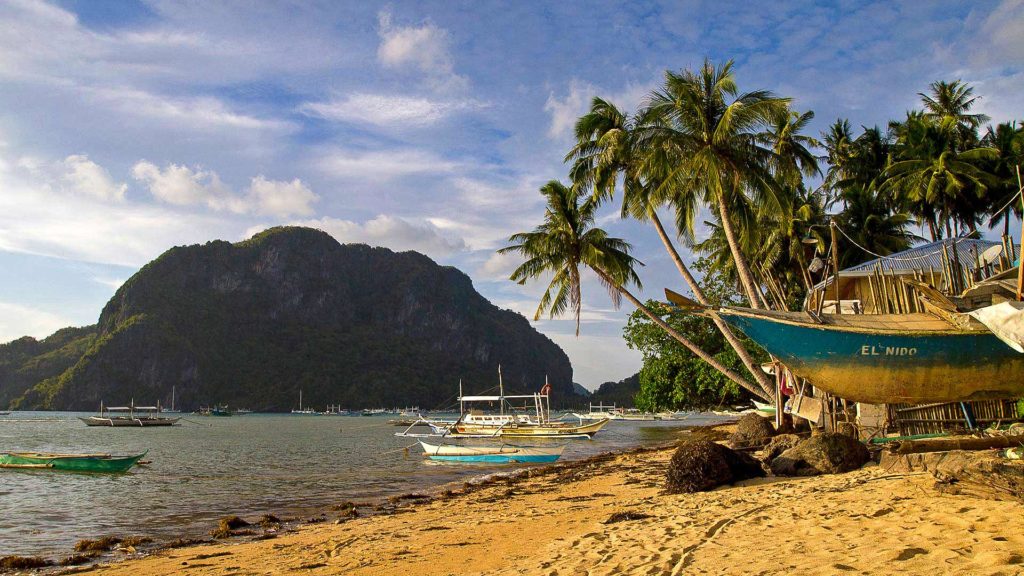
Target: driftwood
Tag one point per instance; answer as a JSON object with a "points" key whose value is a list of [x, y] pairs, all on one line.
{"points": [[981, 475], [947, 444]]}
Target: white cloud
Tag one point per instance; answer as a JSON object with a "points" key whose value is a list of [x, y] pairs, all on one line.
{"points": [[391, 232], [383, 164], [199, 113], [387, 110], [499, 266], [275, 198], [113, 283], [425, 48], [564, 112], [21, 321], [86, 177], [184, 186]]}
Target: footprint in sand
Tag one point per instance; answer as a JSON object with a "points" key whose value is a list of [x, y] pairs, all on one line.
{"points": [[908, 553]]}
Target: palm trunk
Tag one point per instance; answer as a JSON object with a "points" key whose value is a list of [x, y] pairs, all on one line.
{"points": [[696, 350], [726, 330], [742, 269]]}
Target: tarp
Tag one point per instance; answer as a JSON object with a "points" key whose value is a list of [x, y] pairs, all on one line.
{"points": [[1006, 321]]}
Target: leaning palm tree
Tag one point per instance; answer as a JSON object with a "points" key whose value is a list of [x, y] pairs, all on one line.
{"points": [[566, 242], [606, 150], [706, 135]]}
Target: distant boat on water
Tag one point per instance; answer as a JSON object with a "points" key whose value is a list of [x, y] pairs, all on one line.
{"points": [[172, 409], [68, 462], [129, 416], [221, 411], [301, 410]]}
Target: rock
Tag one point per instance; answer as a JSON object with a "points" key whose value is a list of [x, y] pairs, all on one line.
{"points": [[23, 563], [752, 431], [778, 445], [701, 465], [822, 454]]}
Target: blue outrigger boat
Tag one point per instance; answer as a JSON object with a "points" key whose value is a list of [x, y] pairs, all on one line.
{"points": [[886, 358]]}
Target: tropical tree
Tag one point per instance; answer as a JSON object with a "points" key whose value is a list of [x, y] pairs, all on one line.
{"points": [[938, 183], [567, 241], [869, 219], [949, 104], [606, 149], [704, 137], [1007, 140]]}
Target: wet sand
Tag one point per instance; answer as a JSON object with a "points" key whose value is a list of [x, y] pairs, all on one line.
{"points": [[558, 523]]}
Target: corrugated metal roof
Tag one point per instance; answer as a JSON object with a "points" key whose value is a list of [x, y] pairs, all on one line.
{"points": [[924, 256]]}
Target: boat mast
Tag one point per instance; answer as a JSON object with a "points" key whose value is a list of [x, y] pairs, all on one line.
{"points": [[300, 400], [172, 398], [501, 392], [462, 403]]}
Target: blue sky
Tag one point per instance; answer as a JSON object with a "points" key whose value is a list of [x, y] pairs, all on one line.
{"points": [[127, 128]]}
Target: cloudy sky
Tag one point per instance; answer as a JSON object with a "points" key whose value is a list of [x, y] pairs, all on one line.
{"points": [[130, 127]]}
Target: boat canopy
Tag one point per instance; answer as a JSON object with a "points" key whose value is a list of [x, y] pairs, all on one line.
{"points": [[493, 398]]}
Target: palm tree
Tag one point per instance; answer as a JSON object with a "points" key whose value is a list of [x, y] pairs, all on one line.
{"points": [[567, 241], [868, 220], [935, 180], [839, 152], [706, 134], [1007, 139], [605, 149], [793, 158], [950, 103]]}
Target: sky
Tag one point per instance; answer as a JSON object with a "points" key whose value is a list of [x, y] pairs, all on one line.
{"points": [[127, 128]]}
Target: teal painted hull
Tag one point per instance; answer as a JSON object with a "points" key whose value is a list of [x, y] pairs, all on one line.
{"points": [[70, 463], [883, 365]]}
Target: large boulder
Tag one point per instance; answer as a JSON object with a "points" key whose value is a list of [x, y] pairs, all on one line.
{"points": [[778, 445], [701, 465], [752, 431], [822, 454]]}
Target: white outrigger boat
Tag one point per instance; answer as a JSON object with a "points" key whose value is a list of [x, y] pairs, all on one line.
{"points": [[512, 421], [131, 417], [499, 454]]}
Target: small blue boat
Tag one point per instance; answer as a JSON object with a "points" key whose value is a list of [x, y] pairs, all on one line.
{"points": [[494, 454], [887, 358]]}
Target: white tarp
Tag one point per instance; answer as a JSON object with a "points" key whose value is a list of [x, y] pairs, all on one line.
{"points": [[1006, 321]]}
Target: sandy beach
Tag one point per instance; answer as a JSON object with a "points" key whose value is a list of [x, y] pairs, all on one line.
{"points": [[610, 515]]}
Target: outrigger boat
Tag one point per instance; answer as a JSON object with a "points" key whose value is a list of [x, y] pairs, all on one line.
{"points": [[500, 454], [508, 423], [69, 462], [940, 356], [131, 418]]}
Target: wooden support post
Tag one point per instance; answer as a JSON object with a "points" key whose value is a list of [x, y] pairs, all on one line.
{"points": [[835, 263]]}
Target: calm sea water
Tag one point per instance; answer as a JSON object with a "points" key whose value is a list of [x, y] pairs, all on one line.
{"points": [[205, 468]]}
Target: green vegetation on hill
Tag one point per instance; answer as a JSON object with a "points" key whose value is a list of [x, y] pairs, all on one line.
{"points": [[253, 323], [27, 361]]}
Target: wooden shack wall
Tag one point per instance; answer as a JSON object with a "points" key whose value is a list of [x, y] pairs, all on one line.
{"points": [[909, 420]]}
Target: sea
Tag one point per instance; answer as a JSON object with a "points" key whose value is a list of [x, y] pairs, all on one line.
{"points": [[205, 468]]}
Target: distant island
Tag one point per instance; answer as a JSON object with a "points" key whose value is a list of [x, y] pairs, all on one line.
{"points": [[254, 322]]}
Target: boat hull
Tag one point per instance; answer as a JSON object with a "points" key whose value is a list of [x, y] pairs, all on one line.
{"points": [[889, 366], [129, 422], [69, 462], [528, 431], [504, 454]]}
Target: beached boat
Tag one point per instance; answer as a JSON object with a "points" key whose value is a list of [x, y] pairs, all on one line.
{"points": [[888, 358], [764, 409], [69, 462], [600, 412], [498, 454], [129, 416]]}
